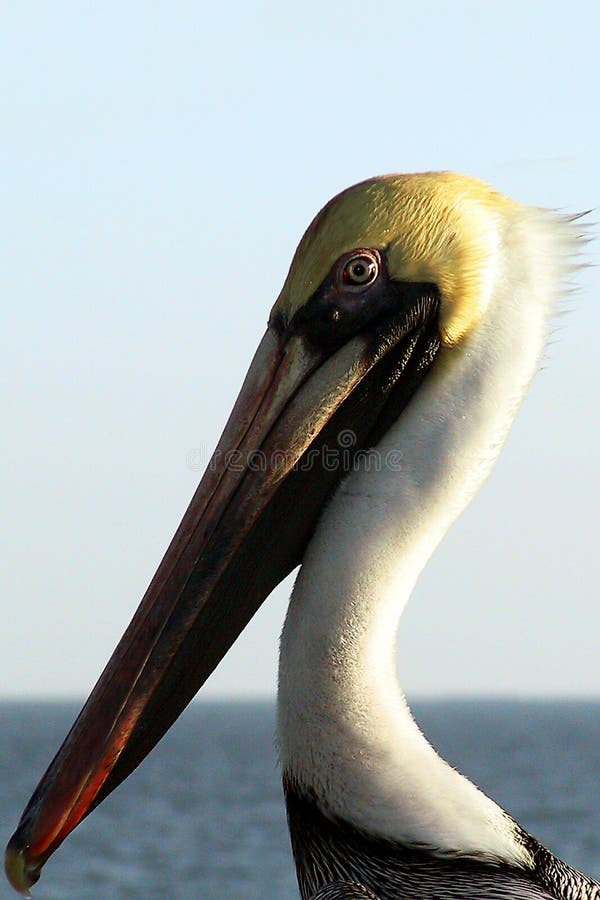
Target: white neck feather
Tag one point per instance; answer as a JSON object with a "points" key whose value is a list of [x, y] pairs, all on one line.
{"points": [[345, 730]]}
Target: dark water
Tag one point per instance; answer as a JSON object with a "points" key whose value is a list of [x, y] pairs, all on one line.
{"points": [[203, 816]]}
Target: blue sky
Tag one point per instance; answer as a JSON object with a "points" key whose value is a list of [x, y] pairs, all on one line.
{"points": [[159, 164]]}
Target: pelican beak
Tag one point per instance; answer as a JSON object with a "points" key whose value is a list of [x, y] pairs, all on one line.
{"points": [[247, 526]]}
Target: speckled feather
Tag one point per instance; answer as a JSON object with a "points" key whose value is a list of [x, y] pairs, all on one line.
{"points": [[335, 861]]}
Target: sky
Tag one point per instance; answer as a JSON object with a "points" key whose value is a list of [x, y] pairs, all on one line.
{"points": [[160, 162]]}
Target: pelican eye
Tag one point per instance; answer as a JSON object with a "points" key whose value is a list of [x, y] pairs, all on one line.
{"points": [[361, 270]]}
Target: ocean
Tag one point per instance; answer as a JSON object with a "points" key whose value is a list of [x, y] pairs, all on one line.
{"points": [[203, 816]]}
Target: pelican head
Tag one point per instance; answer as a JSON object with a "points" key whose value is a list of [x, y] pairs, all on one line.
{"points": [[395, 280]]}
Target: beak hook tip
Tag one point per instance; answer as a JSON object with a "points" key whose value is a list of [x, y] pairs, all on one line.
{"points": [[21, 873]]}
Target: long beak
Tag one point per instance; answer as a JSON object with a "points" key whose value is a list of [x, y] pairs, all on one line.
{"points": [[246, 528]]}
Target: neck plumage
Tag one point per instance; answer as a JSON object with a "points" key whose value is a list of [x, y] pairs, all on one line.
{"points": [[346, 734]]}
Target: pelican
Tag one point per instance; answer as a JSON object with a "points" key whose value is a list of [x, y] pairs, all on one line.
{"points": [[408, 329]]}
